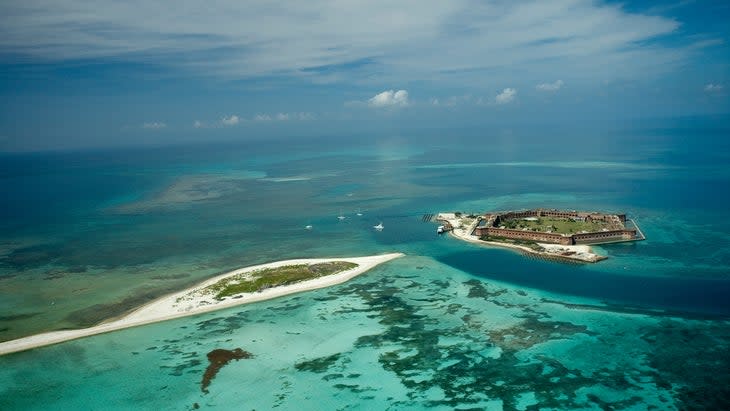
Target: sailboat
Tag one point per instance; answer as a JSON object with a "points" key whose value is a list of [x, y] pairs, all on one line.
{"points": [[379, 227], [341, 217], [359, 213]]}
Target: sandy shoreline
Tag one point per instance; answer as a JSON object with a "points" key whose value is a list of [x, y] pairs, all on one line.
{"points": [[582, 253], [190, 302]]}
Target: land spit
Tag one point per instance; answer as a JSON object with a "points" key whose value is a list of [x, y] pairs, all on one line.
{"points": [[204, 297]]}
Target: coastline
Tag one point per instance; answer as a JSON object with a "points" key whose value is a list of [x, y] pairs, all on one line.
{"points": [[579, 253], [190, 302]]}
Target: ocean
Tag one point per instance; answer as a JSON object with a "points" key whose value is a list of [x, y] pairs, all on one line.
{"points": [[89, 235]]}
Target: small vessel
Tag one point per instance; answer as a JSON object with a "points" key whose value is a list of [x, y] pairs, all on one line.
{"points": [[379, 227], [359, 213], [341, 217], [440, 230], [308, 227]]}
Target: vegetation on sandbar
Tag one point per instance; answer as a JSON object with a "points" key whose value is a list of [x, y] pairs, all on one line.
{"points": [[262, 279]]}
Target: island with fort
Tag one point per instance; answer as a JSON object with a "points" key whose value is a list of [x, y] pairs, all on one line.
{"points": [[549, 233]]}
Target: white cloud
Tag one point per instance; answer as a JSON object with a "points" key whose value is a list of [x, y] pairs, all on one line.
{"points": [[453, 101], [390, 98], [326, 41], [230, 121], [712, 88], [555, 86], [506, 96], [155, 125], [198, 124], [260, 118]]}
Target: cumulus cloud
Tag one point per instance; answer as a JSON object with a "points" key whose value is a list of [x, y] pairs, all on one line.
{"points": [[155, 125], [506, 96], [555, 86], [230, 121], [389, 98], [712, 88]]}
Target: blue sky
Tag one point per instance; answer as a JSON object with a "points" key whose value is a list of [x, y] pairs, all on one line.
{"points": [[79, 74]]}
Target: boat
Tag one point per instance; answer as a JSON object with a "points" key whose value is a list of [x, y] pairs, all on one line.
{"points": [[341, 217], [308, 227], [379, 227], [359, 213], [440, 229]]}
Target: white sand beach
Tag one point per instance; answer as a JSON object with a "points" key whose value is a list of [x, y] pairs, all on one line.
{"points": [[191, 301]]}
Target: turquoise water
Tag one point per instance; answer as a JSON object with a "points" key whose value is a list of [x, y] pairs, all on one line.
{"points": [[87, 236]]}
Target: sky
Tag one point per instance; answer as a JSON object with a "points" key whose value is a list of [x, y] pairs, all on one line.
{"points": [[105, 73]]}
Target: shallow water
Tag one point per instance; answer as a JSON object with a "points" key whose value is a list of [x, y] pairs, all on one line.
{"points": [[450, 326]]}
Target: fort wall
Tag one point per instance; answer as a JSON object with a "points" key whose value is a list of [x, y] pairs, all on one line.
{"points": [[604, 236], [617, 232], [524, 235]]}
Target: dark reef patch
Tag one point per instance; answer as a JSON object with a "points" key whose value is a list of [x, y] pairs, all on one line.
{"points": [[469, 369], [18, 317], [34, 256], [696, 359], [55, 275], [532, 331], [478, 289], [218, 358], [170, 276], [92, 315], [97, 313], [318, 365], [190, 363]]}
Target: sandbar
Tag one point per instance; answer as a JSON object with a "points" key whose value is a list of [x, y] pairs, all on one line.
{"points": [[192, 302]]}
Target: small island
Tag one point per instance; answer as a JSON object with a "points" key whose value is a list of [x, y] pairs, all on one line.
{"points": [[245, 285], [560, 234]]}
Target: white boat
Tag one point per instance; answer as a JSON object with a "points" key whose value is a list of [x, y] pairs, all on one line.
{"points": [[440, 230], [308, 227], [379, 227], [341, 217]]}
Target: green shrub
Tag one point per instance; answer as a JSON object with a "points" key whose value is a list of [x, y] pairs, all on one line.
{"points": [[275, 277]]}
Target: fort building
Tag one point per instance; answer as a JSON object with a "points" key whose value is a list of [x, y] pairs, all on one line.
{"points": [[557, 227]]}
